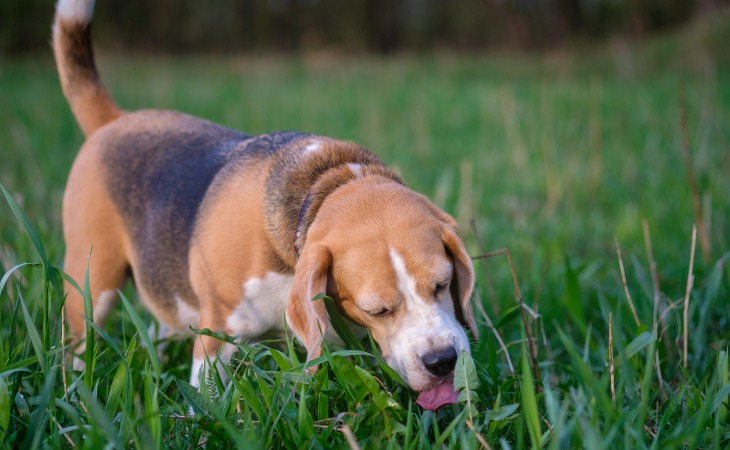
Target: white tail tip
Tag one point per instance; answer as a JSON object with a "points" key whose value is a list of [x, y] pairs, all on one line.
{"points": [[75, 10]]}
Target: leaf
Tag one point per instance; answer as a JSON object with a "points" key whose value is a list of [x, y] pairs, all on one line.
{"points": [[529, 401], [723, 374], [571, 298], [465, 374], [5, 407], [502, 412], [11, 271], [342, 328], [448, 430], [466, 381], [713, 282], [152, 406], [35, 338], [637, 345], [142, 332], [193, 397], [507, 316], [29, 229], [281, 360], [221, 336]]}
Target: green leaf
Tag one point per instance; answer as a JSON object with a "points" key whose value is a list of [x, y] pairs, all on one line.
{"points": [[35, 338], [723, 375], [152, 406], [448, 430], [466, 381], [339, 323], [29, 229], [502, 412], [193, 397], [221, 336], [5, 407], [98, 419], [571, 298], [529, 401], [281, 360], [713, 282], [635, 346], [245, 388], [5, 277], [508, 315], [142, 332]]}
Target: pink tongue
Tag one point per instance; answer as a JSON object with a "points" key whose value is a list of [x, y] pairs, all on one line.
{"points": [[441, 395]]}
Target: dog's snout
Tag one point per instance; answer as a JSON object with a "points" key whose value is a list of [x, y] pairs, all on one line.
{"points": [[440, 362]]}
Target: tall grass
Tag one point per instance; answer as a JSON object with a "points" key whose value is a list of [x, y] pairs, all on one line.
{"points": [[562, 159]]}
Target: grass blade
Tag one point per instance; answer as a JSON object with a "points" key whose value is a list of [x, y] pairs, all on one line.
{"points": [[142, 333], [529, 402]]}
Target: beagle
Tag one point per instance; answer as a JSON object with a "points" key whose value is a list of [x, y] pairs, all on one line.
{"points": [[227, 231]]}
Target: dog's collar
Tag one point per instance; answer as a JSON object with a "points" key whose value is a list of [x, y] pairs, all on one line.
{"points": [[299, 230], [320, 190]]}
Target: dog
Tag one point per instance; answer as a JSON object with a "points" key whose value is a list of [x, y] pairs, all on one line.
{"points": [[226, 231]]}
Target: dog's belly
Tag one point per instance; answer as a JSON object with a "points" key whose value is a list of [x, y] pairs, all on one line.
{"points": [[259, 312]]}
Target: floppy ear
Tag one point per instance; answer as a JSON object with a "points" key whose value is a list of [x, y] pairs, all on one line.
{"points": [[462, 284], [307, 318]]}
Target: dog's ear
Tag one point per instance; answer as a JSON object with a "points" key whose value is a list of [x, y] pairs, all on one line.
{"points": [[307, 318], [462, 284]]}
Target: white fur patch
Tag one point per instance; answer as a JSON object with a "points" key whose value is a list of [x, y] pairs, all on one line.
{"points": [[104, 304], [187, 315], [198, 364], [406, 282], [425, 326], [158, 331], [356, 169], [201, 364], [262, 307], [75, 10], [313, 147]]}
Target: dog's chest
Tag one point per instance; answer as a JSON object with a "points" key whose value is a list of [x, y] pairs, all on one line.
{"points": [[262, 306]]}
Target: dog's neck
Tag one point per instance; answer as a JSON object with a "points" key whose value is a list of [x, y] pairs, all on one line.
{"points": [[297, 187], [324, 186]]}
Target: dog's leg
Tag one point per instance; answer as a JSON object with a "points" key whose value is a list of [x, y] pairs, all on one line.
{"points": [[107, 273], [209, 350]]}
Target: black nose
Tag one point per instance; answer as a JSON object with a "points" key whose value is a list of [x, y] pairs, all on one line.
{"points": [[441, 361]]}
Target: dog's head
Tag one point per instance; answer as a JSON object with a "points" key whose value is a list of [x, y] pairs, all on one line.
{"points": [[394, 264]]}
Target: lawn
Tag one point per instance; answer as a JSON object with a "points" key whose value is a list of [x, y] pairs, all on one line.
{"points": [[561, 158]]}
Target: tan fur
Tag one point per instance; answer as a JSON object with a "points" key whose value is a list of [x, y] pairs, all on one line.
{"points": [[94, 235], [89, 100]]}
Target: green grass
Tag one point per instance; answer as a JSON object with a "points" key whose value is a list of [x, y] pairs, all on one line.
{"points": [[553, 157]]}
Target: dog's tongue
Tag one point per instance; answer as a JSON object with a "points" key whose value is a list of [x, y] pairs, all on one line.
{"points": [[441, 395]]}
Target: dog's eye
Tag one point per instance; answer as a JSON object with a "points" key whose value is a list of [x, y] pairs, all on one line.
{"points": [[380, 312], [440, 288]]}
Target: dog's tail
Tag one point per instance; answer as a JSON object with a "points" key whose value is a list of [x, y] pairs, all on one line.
{"points": [[90, 102]]}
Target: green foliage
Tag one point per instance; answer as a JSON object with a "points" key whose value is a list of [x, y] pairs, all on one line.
{"points": [[552, 157], [466, 382]]}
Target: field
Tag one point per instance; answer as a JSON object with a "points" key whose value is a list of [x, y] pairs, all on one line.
{"points": [[561, 158]]}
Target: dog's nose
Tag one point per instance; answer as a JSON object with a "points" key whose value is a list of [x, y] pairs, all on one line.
{"points": [[440, 362]]}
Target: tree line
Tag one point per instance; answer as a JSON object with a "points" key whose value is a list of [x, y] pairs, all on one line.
{"points": [[372, 26]]}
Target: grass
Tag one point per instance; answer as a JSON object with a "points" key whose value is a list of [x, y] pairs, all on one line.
{"points": [[561, 158]]}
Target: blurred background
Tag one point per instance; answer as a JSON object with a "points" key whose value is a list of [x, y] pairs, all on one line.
{"points": [[550, 127], [366, 26]]}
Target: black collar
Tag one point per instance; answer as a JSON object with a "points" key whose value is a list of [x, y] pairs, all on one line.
{"points": [[300, 230]]}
